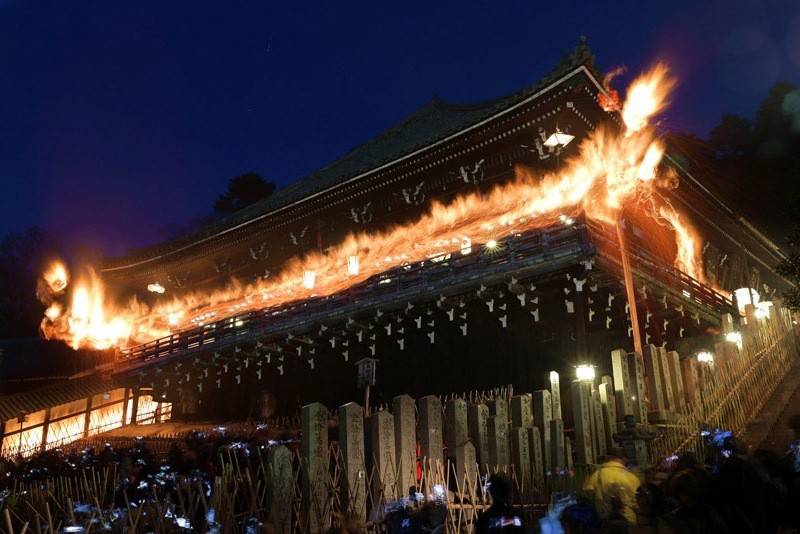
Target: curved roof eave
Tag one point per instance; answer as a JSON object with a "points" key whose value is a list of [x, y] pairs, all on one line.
{"points": [[304, 189]]}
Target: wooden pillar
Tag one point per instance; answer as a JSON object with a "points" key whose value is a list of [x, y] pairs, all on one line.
{"points": [[87, 419], [125, 399], [135, 408], [45, 427], [629, 291]]}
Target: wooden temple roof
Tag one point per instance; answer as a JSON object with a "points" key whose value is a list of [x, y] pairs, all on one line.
{"points": [[432, 123]]}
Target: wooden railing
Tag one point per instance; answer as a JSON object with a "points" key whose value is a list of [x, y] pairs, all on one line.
{"points": [[735, 391]]}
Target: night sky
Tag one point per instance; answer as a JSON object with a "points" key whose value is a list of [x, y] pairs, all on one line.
{"points": [[120, 119]]}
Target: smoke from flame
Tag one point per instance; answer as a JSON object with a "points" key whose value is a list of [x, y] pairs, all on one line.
{"points": [[611, 171]]}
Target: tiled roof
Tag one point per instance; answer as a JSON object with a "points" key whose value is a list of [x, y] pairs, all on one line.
{"points": [[59, 393], [429, 124]]}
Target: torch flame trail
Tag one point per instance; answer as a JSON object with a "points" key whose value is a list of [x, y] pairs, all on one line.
{"points": [[611, 171]]}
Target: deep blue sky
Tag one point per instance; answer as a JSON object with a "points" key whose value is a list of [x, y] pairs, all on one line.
{"points": [[118, 119]]}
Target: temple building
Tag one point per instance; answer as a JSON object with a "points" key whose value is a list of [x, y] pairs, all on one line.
{"points": [[552, 298]]}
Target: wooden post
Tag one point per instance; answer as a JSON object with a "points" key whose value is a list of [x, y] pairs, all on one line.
{"points": [[135, 407], [88, 417], [628, 276], [125, 398], [45, 427]]}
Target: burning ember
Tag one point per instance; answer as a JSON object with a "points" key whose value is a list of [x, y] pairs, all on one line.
{"points": [[612, 171]]}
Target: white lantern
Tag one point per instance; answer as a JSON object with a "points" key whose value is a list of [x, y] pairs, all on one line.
{"points": [[745, 296], [705, 357]]}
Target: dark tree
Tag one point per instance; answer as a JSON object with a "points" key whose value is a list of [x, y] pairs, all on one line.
{"points": [[761, 158], [790, 267], [23, 256], [243, 191], [732, 137]]}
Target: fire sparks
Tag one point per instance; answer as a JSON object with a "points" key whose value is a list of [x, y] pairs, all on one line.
{"points": [[613, 170]]}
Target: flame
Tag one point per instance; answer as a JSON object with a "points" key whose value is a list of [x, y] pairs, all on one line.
{"points": [[611, 171], [86, 323], [609, 100], [646, 97], [688, 242], [56, 277]]}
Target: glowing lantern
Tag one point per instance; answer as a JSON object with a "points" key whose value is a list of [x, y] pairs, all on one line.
{"points": [[352, 265], [309, 278], [491, 244], [466, 246], [559, 139], [705, 357], [762, 309], [734, 337], [585, 372], [155, 287], [745, 296]]}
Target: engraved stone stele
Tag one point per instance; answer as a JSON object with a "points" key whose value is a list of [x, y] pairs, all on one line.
{"points": [[405, 439], [652, 371], [690, 379], [555, 392], [478, 421], [281, 486], [666, 379], [542, 415], [521, 411], [676, 377], [353, 490], [727, 323], [725, 354], [557, 447], [498, 407], [314, 462], [498, 442], [636, 369], [568, 454], [581, 411], [467, 468], [429, 431], [382, 457], [624, 391], [455, 425], [537, 456], [521, 455], [599, 427], [609, 405]]}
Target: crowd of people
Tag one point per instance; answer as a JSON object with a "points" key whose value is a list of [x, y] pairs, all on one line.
{"points": [[726, 491], [136, 476]]}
